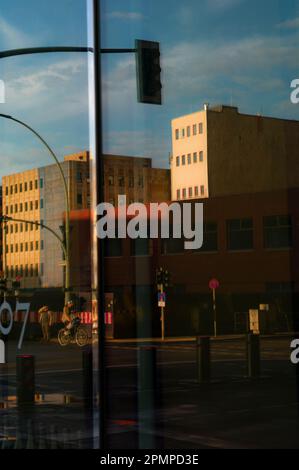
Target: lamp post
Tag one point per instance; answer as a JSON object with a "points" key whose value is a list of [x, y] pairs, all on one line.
{"points": [[67, 202]]}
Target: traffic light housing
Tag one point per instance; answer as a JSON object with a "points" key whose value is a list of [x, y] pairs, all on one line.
{"points": [[148, 72], [159, 276], [3, 285]]}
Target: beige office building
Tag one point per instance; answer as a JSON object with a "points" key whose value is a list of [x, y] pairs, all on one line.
{"points": [[219, 151]]}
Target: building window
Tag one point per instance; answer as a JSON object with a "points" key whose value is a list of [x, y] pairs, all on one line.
{"points": [[177, 161], [121, 181], [189, 159], [190, 192], [21, 187], [113, 247], [196, 191], [41, 203], [140, 182], [240, 234], [36, 184], [210, 237], [201, 156], [21, 207], [194, 129], [131, 181], [195, 157], [79, 199], [21, 247], [200, 128], [41, 183], [188, 131], [278, 232], [6, 191], [30, 186], [16, 208], [11, 209], [177, 134], [36, 205], [183, 133], [178, 194], [184, 160], [16, 188], [26, 206], [11, 190], [184, 193], [140, 247], [202, 190], [31, 246], [42, 244], [36, 245], [26, 186]]}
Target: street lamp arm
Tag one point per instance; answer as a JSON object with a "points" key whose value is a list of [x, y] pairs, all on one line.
{"points": [[67, 202], [42, 50], [39, 224]]}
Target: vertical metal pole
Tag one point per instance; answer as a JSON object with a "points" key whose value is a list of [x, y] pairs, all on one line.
{"points": [[100, 198], [162, 316], [253, 355], [203, 356], [214, 312]]}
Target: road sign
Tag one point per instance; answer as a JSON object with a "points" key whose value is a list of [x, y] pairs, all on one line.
{"points": [[162, 299], [214, 284]]}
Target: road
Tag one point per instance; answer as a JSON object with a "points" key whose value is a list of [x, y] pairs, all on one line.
{"points": [[231, 411]]}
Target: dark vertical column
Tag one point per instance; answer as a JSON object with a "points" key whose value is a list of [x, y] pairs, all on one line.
{"points": [[100, 198], [253, 355]]}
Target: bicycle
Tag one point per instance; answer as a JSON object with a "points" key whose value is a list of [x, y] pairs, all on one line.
{"points": [[77, 333]]}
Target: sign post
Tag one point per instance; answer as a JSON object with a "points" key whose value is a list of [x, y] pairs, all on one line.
{"points": [[213, 285]]}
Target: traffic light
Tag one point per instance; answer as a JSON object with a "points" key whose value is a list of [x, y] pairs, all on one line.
{"points": [[16, 285], [148, 72], [159, 276], [166, 278], [3, 285]]}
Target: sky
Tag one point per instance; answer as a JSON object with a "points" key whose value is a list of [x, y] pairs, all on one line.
{"points": [[240, 52]]}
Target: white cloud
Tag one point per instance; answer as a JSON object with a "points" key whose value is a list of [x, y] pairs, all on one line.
{"points": [[222, 4], [290, 24], [126, 16], [11, 37]]}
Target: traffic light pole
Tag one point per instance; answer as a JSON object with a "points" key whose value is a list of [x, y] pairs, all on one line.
{"points": [[161, 289]]}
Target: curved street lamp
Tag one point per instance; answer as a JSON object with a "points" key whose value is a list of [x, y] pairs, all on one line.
{"points": [[67, 202]]}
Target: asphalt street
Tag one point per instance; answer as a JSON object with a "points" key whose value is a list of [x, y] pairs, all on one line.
{"points": [[231, 411]]}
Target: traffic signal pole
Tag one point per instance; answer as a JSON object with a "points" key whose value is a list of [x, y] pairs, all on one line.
{"points": [[161, 288]]}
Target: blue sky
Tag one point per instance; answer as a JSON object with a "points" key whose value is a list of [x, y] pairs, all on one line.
{"points": [[243, 52]]}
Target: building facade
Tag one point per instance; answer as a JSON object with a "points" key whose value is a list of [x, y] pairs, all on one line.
{"points": [[219, 151], [38, 195]]}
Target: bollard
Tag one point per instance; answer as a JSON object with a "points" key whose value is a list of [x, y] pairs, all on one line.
{"points": [[253, 355], [147, 396], [203, 352], [87, 368], [25, 380]]}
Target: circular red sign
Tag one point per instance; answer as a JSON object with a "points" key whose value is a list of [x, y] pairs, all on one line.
{"points": [[214, 284]]}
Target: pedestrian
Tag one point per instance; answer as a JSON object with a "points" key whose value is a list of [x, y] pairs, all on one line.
{"points": [[44, 317]]}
